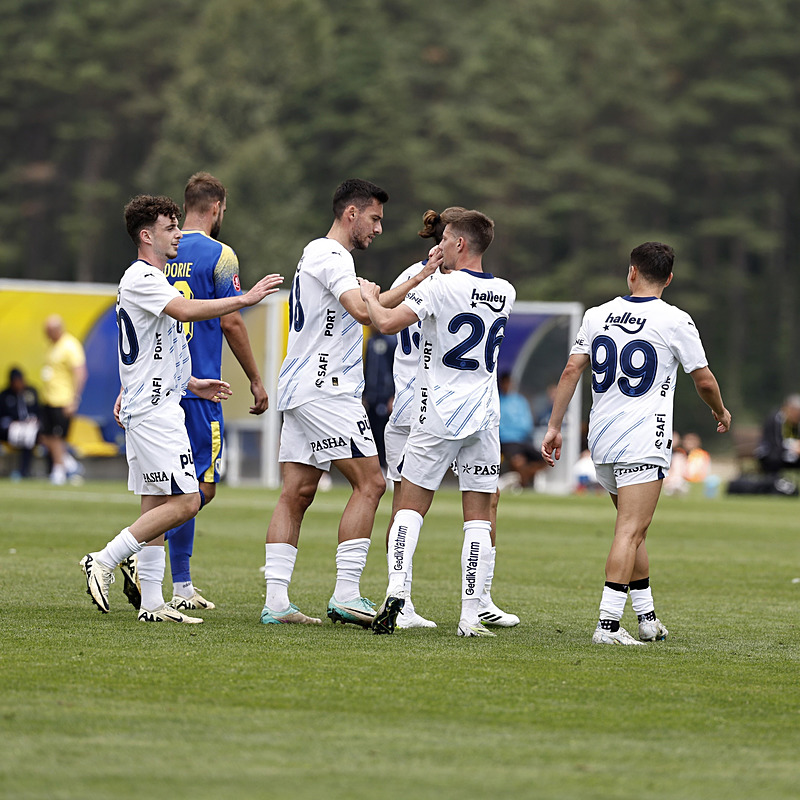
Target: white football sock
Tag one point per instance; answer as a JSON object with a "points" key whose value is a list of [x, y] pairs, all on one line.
{"points": [[642, 601], [150, 567], [278, 569], [612, 603], [351, 558], [403, 538], [486, 595], [183, 589], [475, 555], [124, 544]]}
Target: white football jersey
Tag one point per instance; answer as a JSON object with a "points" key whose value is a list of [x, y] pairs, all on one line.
{"points": [[154, 361], [464, 316], [406, 359], [324, 354], [635, 345]]}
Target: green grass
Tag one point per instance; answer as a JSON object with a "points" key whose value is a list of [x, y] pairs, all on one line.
{"points": [[98, 706]]}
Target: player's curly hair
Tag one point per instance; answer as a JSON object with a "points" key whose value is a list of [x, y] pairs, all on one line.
{"points": [[143, 211], [654, 261], [358, 193], [433, 224]]}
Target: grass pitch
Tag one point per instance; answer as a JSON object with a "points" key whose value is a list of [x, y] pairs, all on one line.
{"points": [[99, 706]]}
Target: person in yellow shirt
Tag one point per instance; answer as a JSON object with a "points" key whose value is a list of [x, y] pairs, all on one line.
{"points": [[63, 378]]}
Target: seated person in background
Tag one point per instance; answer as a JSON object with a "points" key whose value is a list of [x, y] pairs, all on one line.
{"points": [[779, 447], [19, 419], [698, 461], [516, 436]]}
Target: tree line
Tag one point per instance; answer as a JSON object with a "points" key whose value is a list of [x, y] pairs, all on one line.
{"points": [[582, 128]]}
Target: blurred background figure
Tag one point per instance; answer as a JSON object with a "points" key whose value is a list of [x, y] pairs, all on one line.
{"points": [[19, 420], [63, 378], [779, 447], [379, 385], [698, 461], [585, 475], [517, 448], [675, 482]]}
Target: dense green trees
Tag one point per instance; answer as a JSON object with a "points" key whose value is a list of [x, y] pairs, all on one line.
{"points": [[583, 128]]}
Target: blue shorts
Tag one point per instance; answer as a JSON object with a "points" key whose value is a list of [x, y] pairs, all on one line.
{"points": [[205, 426]]}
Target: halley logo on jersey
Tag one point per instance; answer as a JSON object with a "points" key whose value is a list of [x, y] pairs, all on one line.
{"points": [[472, 567], [623, 321], [237, 284], [326, 444], [489, 299]]}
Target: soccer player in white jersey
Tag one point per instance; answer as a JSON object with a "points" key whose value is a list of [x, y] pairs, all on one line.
{"points": [[634, 345], [406, 361], [155, 370], [319, 392], [464, 311]]}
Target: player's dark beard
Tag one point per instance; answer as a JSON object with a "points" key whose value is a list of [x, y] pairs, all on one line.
{"points": [[360, 242], [215, 228]]}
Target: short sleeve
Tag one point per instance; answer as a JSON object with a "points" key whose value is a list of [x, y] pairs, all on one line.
{"points": [[337, 272], [686, 344], [582, 345], [152, 291], [226, 274]]}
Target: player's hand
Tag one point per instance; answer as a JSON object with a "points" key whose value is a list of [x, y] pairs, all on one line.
{"points": [[267, 285], [551, 446], [436, 260], [210, 389], [117, 408], [369, 290], [260, 397], [723, 421], [431, 265]]}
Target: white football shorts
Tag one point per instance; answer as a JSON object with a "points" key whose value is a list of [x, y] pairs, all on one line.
{"points": [[612, 476], [318, 433], [427, 459], [394, 440], [159, 455]]}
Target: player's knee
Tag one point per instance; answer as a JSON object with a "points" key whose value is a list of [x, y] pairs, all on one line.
{"points": [[190, 505], [376, 486]]}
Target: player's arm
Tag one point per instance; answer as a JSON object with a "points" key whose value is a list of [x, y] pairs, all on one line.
{"points": [[392, 298], [551, 444], [708, 389], [185, 310], [354, 304], [209, 388], [386, 320], [238, 340]]}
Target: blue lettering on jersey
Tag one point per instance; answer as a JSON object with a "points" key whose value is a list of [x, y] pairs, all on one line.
{"points": [[495, 302], [626, 319]]}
